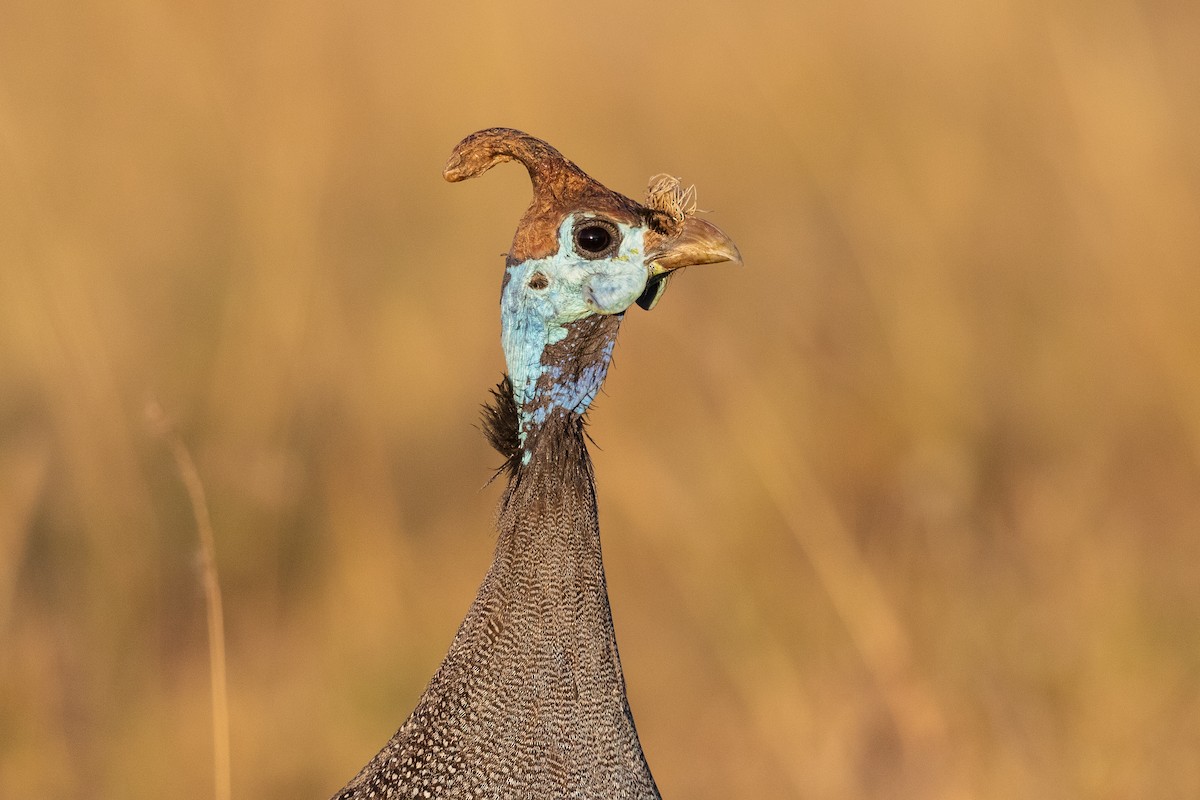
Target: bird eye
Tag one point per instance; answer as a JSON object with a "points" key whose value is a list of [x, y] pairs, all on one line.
{"points": [[595, 238]]}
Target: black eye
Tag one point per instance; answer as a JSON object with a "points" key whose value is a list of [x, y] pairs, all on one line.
{"points": [[593, 238]]}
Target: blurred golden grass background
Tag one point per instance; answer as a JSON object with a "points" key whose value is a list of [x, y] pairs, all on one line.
{"points": [[906, 507]]}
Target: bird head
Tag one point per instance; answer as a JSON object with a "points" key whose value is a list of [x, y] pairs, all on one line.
{"points": [[581, 256]]}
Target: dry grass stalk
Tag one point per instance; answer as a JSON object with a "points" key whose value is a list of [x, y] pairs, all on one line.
{"points": [[222, 789]]}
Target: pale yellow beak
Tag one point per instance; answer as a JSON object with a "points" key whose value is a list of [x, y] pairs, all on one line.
{"points": [[699, 242]]}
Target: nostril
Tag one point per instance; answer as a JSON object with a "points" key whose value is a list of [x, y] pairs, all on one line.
{"points": [[538, 281]]}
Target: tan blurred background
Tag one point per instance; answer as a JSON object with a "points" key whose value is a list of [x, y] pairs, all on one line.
{"points": [[906, 507]]}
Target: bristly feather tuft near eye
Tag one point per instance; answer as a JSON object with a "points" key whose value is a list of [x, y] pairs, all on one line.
{"points": [[500, 425], [666, 194]]}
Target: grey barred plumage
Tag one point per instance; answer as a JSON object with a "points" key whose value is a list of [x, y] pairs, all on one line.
{"points": [[530, 700]]}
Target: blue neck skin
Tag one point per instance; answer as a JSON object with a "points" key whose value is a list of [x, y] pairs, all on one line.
{"points": [[548, 379]]}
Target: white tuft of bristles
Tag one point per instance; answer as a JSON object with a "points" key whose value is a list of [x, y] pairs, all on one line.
{"points": [[666, 193]]}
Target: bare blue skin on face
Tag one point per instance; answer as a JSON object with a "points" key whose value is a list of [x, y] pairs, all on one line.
{"points": [[543, 296]]}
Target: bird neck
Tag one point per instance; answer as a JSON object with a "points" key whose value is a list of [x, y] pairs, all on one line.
{"points": [[531, 695], [559, 384], [549, 569], [534, 675], [548, 525]]}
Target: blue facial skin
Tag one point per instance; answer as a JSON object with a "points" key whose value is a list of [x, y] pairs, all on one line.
{"points": [[533, 318]]}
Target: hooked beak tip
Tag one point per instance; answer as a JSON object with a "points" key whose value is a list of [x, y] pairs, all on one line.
{"points": [[699, 242]]}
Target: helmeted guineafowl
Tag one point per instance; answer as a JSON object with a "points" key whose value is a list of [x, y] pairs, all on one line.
{"points": [[530, 700]]}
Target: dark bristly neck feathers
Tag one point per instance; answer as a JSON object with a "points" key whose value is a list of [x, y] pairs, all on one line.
{"points": [[530, 700]]}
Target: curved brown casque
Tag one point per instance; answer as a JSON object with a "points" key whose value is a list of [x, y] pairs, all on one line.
{"points": [[559, 186]]}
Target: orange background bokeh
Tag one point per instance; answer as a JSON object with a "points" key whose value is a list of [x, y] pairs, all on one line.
{"points": [[907, 506]]}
